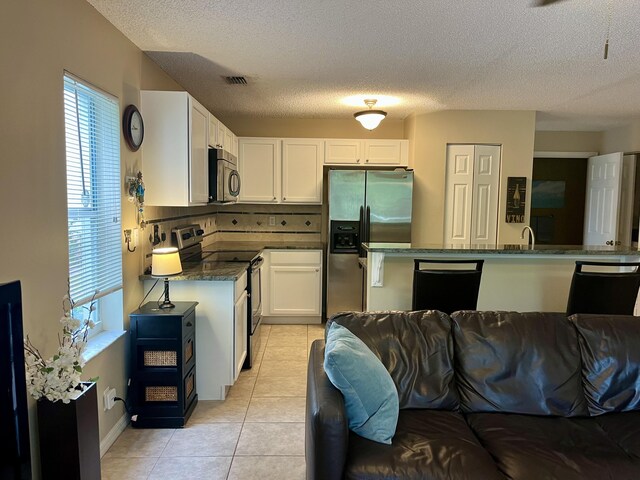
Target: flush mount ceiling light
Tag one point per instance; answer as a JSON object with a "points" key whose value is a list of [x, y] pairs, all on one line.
{"points": [[370, 119]]}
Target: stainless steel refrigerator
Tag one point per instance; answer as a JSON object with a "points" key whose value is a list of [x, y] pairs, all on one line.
{"points": [[364, 206]]}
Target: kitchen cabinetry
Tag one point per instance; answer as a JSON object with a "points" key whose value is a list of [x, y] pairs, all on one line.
{"points": [[293, 285], [259, 168], [275, 170], [366, 152], [240, 334], [175, 149], [471, 194], [221, 137], [163, 365], [221, 320], [302, 170]]}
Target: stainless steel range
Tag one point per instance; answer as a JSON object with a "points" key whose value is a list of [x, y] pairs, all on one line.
{"points": [[188, 239]]}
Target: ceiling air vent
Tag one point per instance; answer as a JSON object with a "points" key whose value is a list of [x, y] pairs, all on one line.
{"points": [[235, 80]]}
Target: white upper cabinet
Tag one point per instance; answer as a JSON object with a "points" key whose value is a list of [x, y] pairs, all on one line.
{"points": [[259, 168], [199, 167], [213, 131], [228, 140], [174, 152], [386, 152], [275, 170], [235, 145], [302, 170], [344, 152], [366, 152], [221, 137]]}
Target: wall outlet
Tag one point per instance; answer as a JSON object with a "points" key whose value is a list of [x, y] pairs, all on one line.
{"points": [[109, 398], [272, 221]]}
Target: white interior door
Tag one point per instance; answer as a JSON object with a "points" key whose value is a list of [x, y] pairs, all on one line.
{"points": [[458, 194], [604, 182], [486, 183]]}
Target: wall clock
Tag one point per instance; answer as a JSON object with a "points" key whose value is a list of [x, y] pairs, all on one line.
{"points": [[133, 127]]}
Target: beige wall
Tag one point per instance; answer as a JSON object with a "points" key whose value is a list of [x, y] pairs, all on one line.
{"points": [[39, 40], [430, 133], [568, 141], [622, 139], [310, 127]]}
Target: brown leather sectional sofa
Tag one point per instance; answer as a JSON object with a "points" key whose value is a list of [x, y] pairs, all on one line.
{"points": [[488, 395]]}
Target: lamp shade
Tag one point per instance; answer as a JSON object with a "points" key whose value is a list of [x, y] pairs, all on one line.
{"points": [[370, 119], [165, 262]]}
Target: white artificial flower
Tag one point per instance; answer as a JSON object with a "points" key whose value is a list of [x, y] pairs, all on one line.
{"points": [[59, 377]]}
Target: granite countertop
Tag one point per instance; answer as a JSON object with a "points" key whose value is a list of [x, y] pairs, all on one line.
{"points": [[231, 271], [503, 249], [222, 271]]}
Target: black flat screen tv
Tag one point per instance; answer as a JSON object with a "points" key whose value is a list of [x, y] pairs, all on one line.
{"points": [[15, 459]]}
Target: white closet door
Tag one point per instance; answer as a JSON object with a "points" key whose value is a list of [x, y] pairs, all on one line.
{"points": [[486, 183], [604, 181], [459, 195]]}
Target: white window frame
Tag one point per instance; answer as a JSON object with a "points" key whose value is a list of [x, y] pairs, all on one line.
{"points": [[98, 128]]}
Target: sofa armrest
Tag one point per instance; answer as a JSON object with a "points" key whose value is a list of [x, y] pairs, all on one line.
{"points": [[326, 429]]}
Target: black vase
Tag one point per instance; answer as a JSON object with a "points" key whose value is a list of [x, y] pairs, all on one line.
{"points": [[70, 437]]}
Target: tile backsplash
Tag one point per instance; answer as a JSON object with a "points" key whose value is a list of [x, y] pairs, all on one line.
{"points": [[238, 222], [292, 219]]}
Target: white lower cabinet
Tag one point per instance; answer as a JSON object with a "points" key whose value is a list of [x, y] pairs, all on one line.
{"points": [[221, 335], [294, 290], [240, 323], [294, 284]]}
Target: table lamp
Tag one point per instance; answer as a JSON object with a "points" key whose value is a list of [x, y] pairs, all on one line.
{"points": [[165, 263]]}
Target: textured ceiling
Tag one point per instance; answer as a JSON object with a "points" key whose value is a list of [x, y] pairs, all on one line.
{"points": [[303, 57]]}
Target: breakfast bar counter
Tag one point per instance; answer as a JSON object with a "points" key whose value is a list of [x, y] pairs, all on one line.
{"points": [[514, 277]]}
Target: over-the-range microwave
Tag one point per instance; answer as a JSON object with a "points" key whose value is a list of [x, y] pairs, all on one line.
{"points": [[224, 179]]}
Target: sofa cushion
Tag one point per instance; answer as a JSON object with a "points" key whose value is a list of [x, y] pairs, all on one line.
{"points": [[518, 363], [610, 350], [536, 448], [429, 444], [417, 350], [624, 429], [370, 396]]}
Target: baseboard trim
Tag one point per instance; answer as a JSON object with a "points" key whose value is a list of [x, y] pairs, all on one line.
{"points": [[113, 434], [291, 320]]}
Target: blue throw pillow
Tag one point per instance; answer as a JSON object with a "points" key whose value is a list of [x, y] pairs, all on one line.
{"points": [[370, 396]]}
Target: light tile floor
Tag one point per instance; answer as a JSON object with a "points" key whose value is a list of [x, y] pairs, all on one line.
{"points": [[256, 433]]}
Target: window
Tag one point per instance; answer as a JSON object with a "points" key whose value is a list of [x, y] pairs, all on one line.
{"points": [[92, 135]]}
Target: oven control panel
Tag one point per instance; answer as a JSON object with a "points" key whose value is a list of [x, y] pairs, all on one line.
{"points": [[186, 235]]}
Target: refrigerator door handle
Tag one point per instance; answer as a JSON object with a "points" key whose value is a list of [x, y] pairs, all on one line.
{"points": [[361, 232], [368, 225]]}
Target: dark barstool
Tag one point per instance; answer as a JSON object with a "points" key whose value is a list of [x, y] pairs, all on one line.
{"points": [[611, 293], [446, 290]]}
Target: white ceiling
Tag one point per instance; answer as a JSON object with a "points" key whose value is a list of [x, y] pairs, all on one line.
{"points": [[302, 57]]}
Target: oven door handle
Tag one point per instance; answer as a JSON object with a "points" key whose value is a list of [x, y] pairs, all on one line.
{"points": [[257, 263]]}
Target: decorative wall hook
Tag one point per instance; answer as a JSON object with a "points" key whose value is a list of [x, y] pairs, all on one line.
{"points": [[136, 195]]}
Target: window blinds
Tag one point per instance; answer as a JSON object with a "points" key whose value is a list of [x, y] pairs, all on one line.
{"points": [[92, 135]]}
